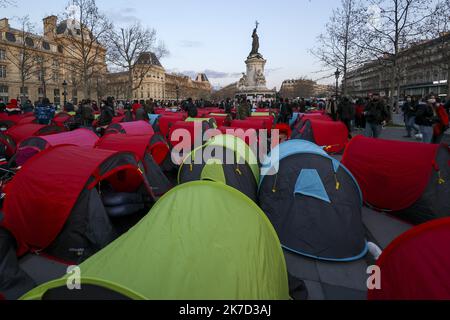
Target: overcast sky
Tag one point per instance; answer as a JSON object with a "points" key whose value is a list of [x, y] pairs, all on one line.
{"points": [[215, 36]]}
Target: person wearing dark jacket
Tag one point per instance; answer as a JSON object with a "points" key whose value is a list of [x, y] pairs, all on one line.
{"points": [[107, 113], [346, 113], [376, 114], [191, 109], [425, 119], [140, 114], [285, 111], [27, 107], [409, 109]]}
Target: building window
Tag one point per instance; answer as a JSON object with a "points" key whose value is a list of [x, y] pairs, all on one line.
{"points": [[40, 92], [10, 37], [2, 71], [4, 93], [46, 45], [2, 54], [24, 91]]}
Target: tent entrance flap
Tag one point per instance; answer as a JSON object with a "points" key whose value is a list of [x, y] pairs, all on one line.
{"points": [[310, 184], [213, 171]]}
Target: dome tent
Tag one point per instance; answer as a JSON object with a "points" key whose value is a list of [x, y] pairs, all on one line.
{"points": [[313, 202], [416, 265], [76, 215], [409, 179], [24, 131], [331, 135], [33, 145], [235, 165], [134, 128], [182, 227], [146, 151]]}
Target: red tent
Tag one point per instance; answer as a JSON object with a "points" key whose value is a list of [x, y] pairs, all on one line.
{"points": [[61, 118], [409, 178], [133, 128], [250, 138], [268, 121], [139, 144], [190, 128], [249, 124], [9, 143], [221, 119], [21, 132], [26, 120], [416, 265], [166, 121], [41, 196], [33, 145], [331, 135]]}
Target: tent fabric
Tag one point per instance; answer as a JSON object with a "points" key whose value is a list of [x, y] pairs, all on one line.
{"points": [[235, 165], [230, 254], [235, 144], [79, 137], [313, 202], [142, 146], [31, 146], [271, 164], [7, 141], [21, 132], [310, 184], [249, 124], [416, 265], [333, 136], [166, 121], [39, 201], [393, 175], [138, 144], [190, 127], [133, 128]]}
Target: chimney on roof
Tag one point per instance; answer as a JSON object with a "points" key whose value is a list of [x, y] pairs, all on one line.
{"points": [[4, 24], [50, 27]]}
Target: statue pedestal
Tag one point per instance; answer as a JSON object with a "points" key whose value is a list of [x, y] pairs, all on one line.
{"points": [[255, 67], [253, 85]]}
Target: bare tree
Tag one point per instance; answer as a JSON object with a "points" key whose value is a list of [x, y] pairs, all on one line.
{"points": [[391, 26], [336, 49], [6, 3], [133, 49], [86, 34], [439, 33], [23, 55]]}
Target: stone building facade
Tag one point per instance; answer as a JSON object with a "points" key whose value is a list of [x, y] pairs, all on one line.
{"points": [[46, 63], [424, 69], [152, 82]]}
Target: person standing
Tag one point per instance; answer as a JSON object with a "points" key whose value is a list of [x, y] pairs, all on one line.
{"points": [[409, 111], [243, 110], [442, 122], [45, 112], [346, 113], [27, 106], [424, 119], [376, 114], [107, 113]]}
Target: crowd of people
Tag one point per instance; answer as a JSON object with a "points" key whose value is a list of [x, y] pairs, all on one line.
{"points": [[426, 117]]}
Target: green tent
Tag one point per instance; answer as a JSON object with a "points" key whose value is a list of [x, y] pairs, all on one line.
{"points": [[201, 241], [226, 159]]}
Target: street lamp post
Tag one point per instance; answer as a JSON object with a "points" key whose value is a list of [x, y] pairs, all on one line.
{"points": [[337, 74], [65, 92]]}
